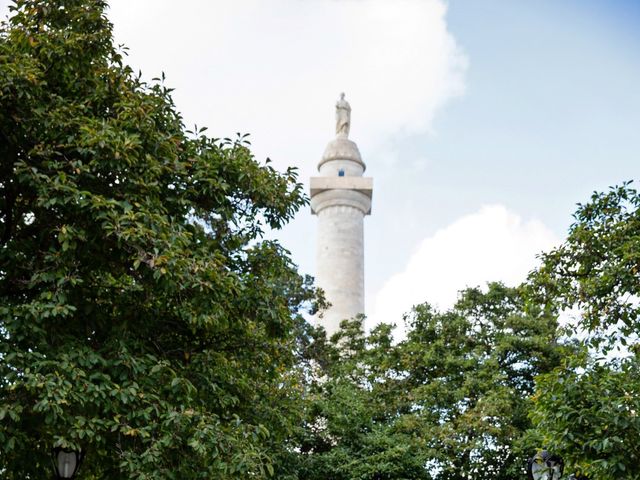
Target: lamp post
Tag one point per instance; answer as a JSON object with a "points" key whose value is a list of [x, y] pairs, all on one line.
{"points": [[544, 466], [66, 462]]}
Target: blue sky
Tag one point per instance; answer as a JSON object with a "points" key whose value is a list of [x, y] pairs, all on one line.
{"points": [[552, 109], [551, 112], [482, 122]]}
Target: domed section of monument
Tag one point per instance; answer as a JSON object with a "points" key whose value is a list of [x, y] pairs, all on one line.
{"points": [[341, 154]]}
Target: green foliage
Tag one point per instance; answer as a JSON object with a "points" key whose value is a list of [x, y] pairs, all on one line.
{"points": [[596, 270], [590, 418], [587, 409], [141, 316], [451, 401]]}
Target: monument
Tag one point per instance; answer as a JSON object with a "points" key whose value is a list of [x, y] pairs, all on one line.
{"points": [[341, 197]]}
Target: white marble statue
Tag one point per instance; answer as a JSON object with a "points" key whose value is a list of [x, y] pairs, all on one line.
{"points": [[343, 117]]}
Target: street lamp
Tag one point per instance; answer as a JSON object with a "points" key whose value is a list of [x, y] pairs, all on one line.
{"points": [[544, 466], [66, 462]]}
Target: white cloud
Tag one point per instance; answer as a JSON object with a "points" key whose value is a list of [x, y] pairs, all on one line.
{"points": [[493, 244], [274, 69]]}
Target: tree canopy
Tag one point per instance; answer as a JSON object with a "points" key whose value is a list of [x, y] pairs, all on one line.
{"points": [[142, 318], [586, 410], [451, 401]]}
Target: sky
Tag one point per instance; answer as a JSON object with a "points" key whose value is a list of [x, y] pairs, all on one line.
{"points": [[482, 123]]}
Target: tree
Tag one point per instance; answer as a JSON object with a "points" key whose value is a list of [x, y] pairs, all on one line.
{"points": [[586, 410], [142, 317], [348, 431], [449, 402], [596, 270]]}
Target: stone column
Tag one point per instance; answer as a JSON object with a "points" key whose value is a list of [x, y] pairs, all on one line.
{"points": [[341, 197]]}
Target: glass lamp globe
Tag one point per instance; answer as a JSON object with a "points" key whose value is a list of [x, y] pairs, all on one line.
{"points": [[544, 466], [66, 462]]}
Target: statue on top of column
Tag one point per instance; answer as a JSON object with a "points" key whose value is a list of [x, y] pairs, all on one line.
{"points": [[343, 117]]}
